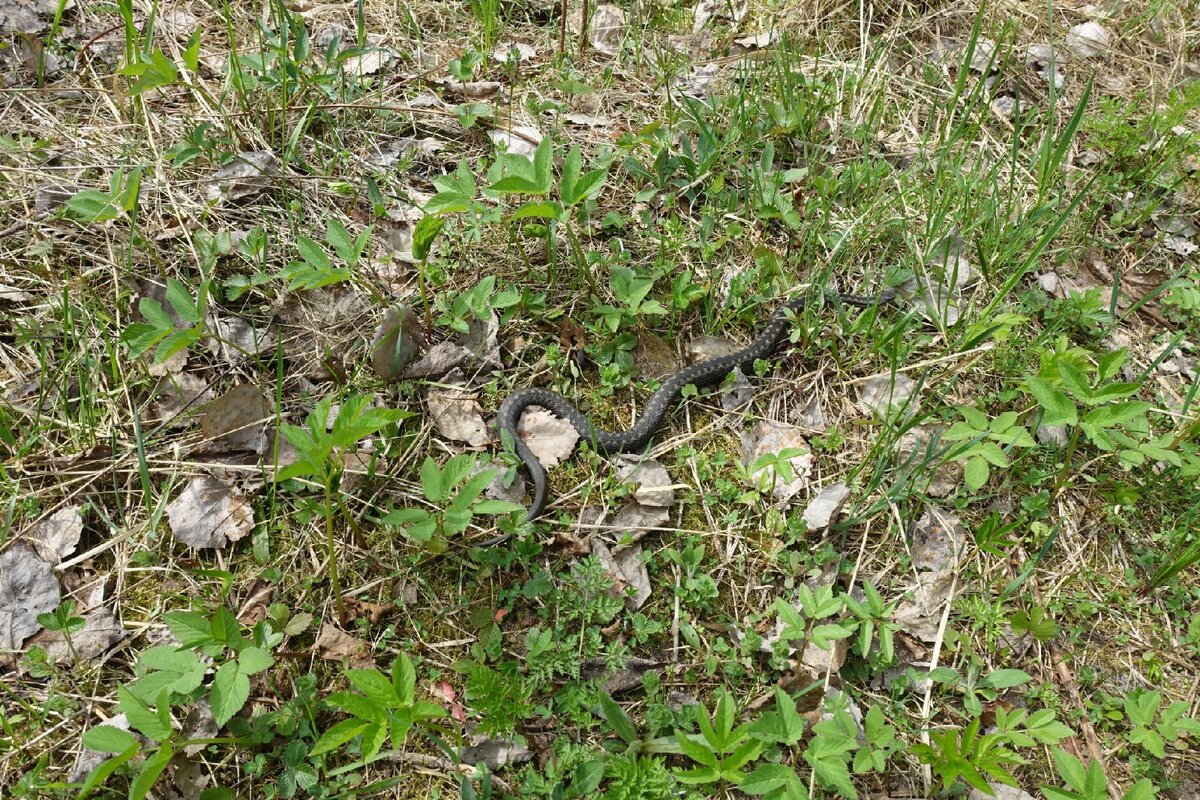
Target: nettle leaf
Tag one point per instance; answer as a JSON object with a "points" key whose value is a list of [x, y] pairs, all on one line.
{"points": [[189, 628], [1057, 408]]}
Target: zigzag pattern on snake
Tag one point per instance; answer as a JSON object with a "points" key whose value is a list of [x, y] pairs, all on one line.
{"points": [[705, 373]]}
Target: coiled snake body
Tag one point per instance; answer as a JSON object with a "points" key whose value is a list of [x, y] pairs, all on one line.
{"points": [[705, 373]]}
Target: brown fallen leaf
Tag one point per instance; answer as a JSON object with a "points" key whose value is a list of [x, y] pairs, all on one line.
{"points": [[236, 421], [254, 608], [456, 412], [56, 537], [335, 644], [356, 608], [100, 632], [550, 438], [27, 588], [771, 438], [209, 514], [828, 502], [246, 175]]}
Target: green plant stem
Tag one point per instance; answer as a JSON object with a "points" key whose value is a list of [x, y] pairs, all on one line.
{"points": [[425, 292], [1061, 478], [331, 545]]}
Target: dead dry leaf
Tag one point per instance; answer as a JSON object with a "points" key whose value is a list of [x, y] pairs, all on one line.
{"points": [[437, 361], [246, 175], [551, 439], [606, 30], [237, 340], [771, 438], [335, 644], [627, 570], [209, 514], [618, 680], [521, 140], [56, 537], [456, 412], [495, 753], [396, 341], [237, 420], [583, 120], [1088, 40], [27, 588], [387, 155], [938, 540], [881, 394], [822, 508], [509, 52], [28, 16], [356, 608], [654, 487]]}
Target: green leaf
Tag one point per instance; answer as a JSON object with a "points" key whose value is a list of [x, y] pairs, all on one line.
{"points": [[1074, 380], [768, 778], [695, 750], [374, 684], [181, 300], [976, 473], [1057, 408], [538, 209], [435, 489], [404, 680], [1006, 678], [254, 659], [152, 311], [151, 769], [313, 254], [230, 691], [357, 705], [141, 717], [340, 240], [108, 739], [338, 735], [496, 507], [425, 233], [617, 719]]}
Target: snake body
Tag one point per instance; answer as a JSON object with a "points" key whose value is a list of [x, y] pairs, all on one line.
{"points": [[704, 373]]}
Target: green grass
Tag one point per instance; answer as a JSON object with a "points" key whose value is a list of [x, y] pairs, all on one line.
{"points": [[827, 162]]}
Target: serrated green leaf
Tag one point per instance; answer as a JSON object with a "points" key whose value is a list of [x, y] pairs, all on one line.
{"points": [[1057, 408], [181, 300], [189, 628], [152, 767], [254, 659], [108, 739], [425, 233], [230, 691], [404, 680], [976, 473], [338, 735], [141, 717], [374, 684]]}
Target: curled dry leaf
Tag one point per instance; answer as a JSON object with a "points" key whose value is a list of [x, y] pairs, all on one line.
{"points": [[396, 341], [237, 420], [49, 196], [772, 438], [1088, 40], [495, 753], [881, 394], [27, 588], [56, 537], [507, 52], [758, 41], [386, 155], [456, 412], [825, 505], [521, 140], [551, 439], [437, 361], [627, 569], [209, 514], [237, 339], [654, 487], [335, 644], [246, 175], [606, 30]]}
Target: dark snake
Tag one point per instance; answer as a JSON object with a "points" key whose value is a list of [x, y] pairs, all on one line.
{"points": [[705, 373]]}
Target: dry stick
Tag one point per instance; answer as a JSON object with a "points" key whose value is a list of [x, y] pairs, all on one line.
{"points": [[1068, 683], [583, 28], [444, 764]]}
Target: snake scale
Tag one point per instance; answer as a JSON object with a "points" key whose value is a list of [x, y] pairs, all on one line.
{"points": [[704, 373]]}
